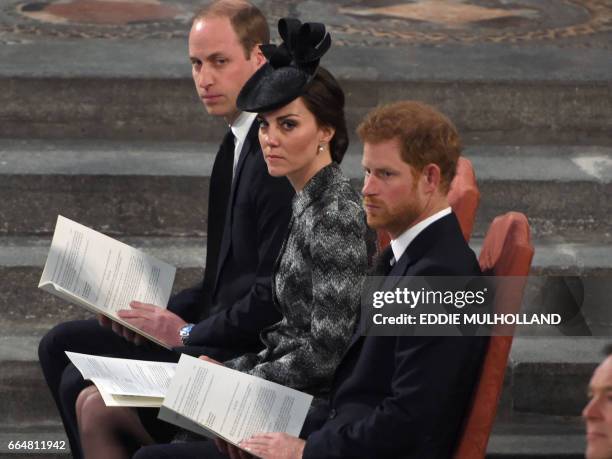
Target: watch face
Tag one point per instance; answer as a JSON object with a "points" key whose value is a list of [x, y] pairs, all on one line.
{"points": [[184, 332]]}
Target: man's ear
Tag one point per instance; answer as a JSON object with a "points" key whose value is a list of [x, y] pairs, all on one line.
{"points": [[432, 176], [257, 56]]}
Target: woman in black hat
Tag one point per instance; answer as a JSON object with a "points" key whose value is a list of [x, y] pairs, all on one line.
{"points": [[317, 277]]}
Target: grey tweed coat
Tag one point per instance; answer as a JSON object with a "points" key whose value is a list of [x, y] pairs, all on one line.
{"points": [[316, 285]]}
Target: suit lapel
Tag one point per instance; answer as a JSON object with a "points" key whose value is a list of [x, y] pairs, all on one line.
{"points": [[246, 151], [413, 253], [248, 148]]}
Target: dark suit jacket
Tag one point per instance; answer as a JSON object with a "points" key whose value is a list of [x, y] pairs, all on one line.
{"points": [[258, 213], [403, 396]]}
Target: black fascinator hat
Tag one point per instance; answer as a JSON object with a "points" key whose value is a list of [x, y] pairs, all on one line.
{"points": [[290, 67]]}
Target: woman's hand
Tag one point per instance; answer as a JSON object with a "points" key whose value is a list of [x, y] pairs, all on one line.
{"points": [[208, 359]]}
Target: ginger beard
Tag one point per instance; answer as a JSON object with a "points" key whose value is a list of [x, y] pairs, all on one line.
{"points": [[396, 217]]}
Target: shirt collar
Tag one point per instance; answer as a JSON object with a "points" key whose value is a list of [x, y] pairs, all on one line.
{"points": [[400, 244], [241, 126]]}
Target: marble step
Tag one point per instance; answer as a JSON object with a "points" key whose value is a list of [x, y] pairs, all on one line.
{"points": [[142, 89], [161, 188]]}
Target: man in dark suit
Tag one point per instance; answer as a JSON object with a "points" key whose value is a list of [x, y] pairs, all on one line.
{"points": [[248, 216], [399, 396]]}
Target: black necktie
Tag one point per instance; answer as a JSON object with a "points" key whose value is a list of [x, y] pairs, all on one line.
{"points": [[218, 196], [383, 263]]}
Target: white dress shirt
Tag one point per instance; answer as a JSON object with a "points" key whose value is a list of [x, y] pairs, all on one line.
{"points": [[399, 245], [240, 128]]}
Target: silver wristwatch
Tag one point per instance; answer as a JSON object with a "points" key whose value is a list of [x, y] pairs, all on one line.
{"points": [[184, 333]]}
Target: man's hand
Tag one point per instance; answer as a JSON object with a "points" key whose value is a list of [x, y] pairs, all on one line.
{"points": [[275, 446], [120, 330], [104, 321], [158, 322]]}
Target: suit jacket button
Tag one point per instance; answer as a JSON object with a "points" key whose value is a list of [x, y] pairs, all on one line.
{"points": [[332, 414]]}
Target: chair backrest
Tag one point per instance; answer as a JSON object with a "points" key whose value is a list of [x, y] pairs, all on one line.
{"points": [[463, 197], [506, 251]]}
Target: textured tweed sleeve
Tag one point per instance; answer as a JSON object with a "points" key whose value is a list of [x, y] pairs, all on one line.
{"points": [[339, 260]]}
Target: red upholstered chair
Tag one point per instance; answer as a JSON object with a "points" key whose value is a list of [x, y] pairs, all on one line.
{"points": [[506, 251], [463, 197]]}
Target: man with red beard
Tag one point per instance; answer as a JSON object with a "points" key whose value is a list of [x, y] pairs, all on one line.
{"points": [[399, 396]]}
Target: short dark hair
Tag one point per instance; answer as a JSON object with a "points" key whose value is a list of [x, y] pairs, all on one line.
{"points": [[247, 20], [607, 350], [425, 136], [324, 98]]}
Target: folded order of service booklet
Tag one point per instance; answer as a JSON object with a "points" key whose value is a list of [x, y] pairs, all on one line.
{"points": [[213, 400], [102, 274], [126, 382]]}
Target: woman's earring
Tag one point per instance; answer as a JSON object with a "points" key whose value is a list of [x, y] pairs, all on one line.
{"points": [[320, 149]]}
